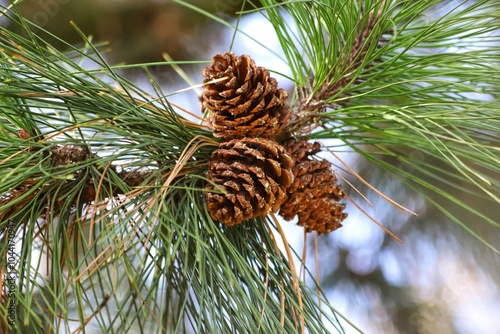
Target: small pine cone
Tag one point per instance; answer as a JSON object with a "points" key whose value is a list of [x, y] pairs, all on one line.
{"points": [[314, 194], [246, 102], [253, 173]]}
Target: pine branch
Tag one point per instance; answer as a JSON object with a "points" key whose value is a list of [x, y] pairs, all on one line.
{"points": [[104, 181], [350, 60], [62, 156]]}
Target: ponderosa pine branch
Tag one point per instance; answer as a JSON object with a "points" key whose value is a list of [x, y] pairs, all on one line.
{"points": [[60, 156], [162, 244], [311, 102]]}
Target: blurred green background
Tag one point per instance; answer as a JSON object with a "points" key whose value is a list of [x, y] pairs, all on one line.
{"points": [[441, 280]]}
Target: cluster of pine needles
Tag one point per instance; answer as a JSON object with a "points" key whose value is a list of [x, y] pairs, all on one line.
{"points": [[103, 182]]}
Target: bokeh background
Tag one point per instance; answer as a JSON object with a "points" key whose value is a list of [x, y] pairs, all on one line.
{"points": [[441, 280]]}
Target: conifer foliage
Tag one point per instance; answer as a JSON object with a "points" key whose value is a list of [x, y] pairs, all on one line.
{"points": [[119, 212]]}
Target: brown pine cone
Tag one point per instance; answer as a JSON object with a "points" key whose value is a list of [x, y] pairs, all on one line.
{"points": [[245, 101], [301, 149], [253, 173], [314, 195]]}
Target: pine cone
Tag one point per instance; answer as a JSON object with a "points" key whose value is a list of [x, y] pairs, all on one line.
{"points": [[246, 102], [314, 195], [253, 173]]}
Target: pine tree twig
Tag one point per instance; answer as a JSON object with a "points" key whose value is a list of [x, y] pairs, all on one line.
{"points": [[64, 155], [68, 154], [311, 104], [131, 178]]}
